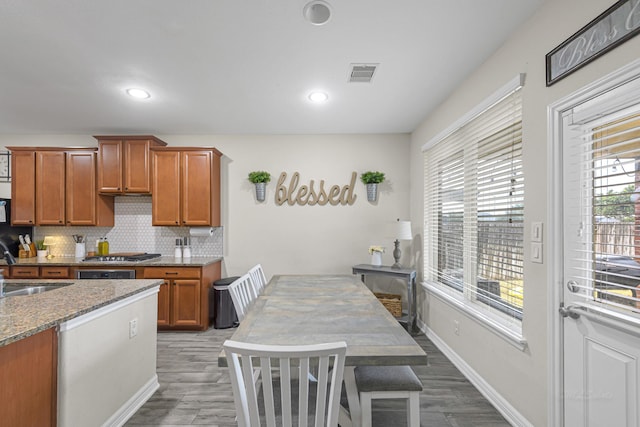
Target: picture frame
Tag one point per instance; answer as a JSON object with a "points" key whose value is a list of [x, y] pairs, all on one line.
{"points": [[5, 166], [610, 29]]}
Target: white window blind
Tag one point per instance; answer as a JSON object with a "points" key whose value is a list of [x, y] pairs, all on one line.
{"points": [[474, 211], [605, 154]]}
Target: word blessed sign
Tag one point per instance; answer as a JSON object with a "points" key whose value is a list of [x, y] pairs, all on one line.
{"points": [[310, 195]]}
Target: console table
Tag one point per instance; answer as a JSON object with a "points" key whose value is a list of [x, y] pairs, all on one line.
{"points": [[406, 274]]}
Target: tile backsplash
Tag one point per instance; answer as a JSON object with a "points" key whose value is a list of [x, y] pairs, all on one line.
{"points": [[132, 232]]}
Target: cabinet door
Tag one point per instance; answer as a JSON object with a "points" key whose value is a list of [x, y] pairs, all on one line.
{"points": [[50, 187], [137, 177], [81, 188], [186, 302], [196, 188], [165, 203], [28, 372], [163, 304], [110, 167], [23, 187]]}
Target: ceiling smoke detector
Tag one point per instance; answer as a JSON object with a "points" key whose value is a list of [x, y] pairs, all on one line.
{"points": [[362, 73], [317, 12]]}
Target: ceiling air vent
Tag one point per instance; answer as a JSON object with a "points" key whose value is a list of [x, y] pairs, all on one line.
{"points": [[362, 73]]}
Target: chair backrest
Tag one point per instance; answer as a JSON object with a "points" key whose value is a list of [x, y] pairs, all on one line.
{"points": [[328, 359], [243, 292], [258, 277]]}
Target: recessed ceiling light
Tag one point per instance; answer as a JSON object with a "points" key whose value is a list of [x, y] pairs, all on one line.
{"points": [[138, 93], [318, 96], [317, 12]]}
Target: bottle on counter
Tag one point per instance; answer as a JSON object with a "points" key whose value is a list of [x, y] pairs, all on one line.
{"points": [[186, 251], [106, 246], [178, 250]]}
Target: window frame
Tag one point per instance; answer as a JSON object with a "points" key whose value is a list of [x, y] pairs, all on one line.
{"points": [[499, 323]]}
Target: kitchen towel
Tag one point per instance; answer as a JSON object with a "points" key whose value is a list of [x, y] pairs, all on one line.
{"points": [[201, 231]]}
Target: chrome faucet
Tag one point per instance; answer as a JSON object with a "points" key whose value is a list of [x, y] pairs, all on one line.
{"points": [[7, 255]]}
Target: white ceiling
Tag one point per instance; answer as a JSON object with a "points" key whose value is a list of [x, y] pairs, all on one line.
{"points": [[238, 66]]}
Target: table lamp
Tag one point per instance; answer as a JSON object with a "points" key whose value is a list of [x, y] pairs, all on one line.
{"points": [[49, 241], [401, 231]]}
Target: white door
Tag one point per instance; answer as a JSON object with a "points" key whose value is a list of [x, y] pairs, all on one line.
{"points": [[600, 329]]}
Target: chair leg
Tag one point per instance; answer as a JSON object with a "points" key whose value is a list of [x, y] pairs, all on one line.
{"points": [[365, 409], [352, 395], [413, 409]]}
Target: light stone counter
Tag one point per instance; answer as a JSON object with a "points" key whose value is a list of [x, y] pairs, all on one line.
{"points": [[163, 261], [23, 316]]}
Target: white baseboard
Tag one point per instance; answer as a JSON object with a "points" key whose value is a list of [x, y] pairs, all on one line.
{"points": [[130, 407], [514, 417]]}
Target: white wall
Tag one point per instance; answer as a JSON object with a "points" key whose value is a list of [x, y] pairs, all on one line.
{"points": [[519, 376], [293, 239]]}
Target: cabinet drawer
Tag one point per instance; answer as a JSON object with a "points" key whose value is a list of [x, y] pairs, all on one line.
{"points": [[171, 273], [54, 272], [25, 272]]}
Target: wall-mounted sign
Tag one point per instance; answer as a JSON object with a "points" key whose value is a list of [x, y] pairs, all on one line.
{"points": [[312, 195], [613, 27]]}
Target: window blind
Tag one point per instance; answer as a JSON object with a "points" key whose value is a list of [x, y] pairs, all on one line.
{"points": [[474, 210], [605, 154]]}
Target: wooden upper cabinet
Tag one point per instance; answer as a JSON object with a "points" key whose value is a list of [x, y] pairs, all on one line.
{"points": [[165, 201], [23, 188], [124, 163], [50, 187], [187, 186], [57, 186], [197, 186], [84, 205], [110, 175]]}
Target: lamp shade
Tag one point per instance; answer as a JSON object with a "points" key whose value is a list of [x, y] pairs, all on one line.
{"points": [[402, 230], [49, 241]]}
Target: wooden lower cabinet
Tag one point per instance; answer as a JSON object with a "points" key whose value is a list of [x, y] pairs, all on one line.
{"points": [[35, 272], [183, 299], [28, 375]]}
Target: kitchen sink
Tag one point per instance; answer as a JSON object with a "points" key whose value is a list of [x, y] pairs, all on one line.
{"points": [[12, 289]]}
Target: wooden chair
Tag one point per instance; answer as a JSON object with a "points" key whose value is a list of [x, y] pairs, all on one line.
{"points": [[289, 363], [388, 382], [258, 277], [243, 292]]}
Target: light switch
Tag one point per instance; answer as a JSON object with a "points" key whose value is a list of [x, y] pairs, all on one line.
{"points": [[536, 252], [536, 232]]}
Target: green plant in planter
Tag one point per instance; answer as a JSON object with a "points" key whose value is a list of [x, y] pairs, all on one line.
{"points": [[40, 245], [259, 176], [371, 177]]}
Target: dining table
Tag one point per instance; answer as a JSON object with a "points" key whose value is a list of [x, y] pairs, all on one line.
{"points": [[311, 309]]}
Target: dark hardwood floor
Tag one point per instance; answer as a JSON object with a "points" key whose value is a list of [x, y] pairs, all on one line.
{"points": [[195, 391]]}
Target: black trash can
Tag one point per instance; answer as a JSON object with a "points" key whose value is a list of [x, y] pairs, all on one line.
{"points": [[222, 313]]}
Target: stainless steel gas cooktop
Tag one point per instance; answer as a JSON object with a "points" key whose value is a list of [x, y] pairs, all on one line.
{"points": [[129, 257]]}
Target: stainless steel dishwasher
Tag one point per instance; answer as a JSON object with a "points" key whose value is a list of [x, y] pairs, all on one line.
{"points": [[99, 273]]}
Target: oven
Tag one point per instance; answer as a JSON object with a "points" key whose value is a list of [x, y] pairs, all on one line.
{"points": [[100, 273]]}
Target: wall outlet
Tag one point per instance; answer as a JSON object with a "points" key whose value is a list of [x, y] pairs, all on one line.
{"points": [[133, 328], [456, 327]]}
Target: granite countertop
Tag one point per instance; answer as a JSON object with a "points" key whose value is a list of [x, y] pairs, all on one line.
{"points": [[163, 261], [23, 316]]}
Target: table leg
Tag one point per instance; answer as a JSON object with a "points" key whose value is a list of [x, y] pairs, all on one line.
{"points": [[352, 395], [411, 295]]}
